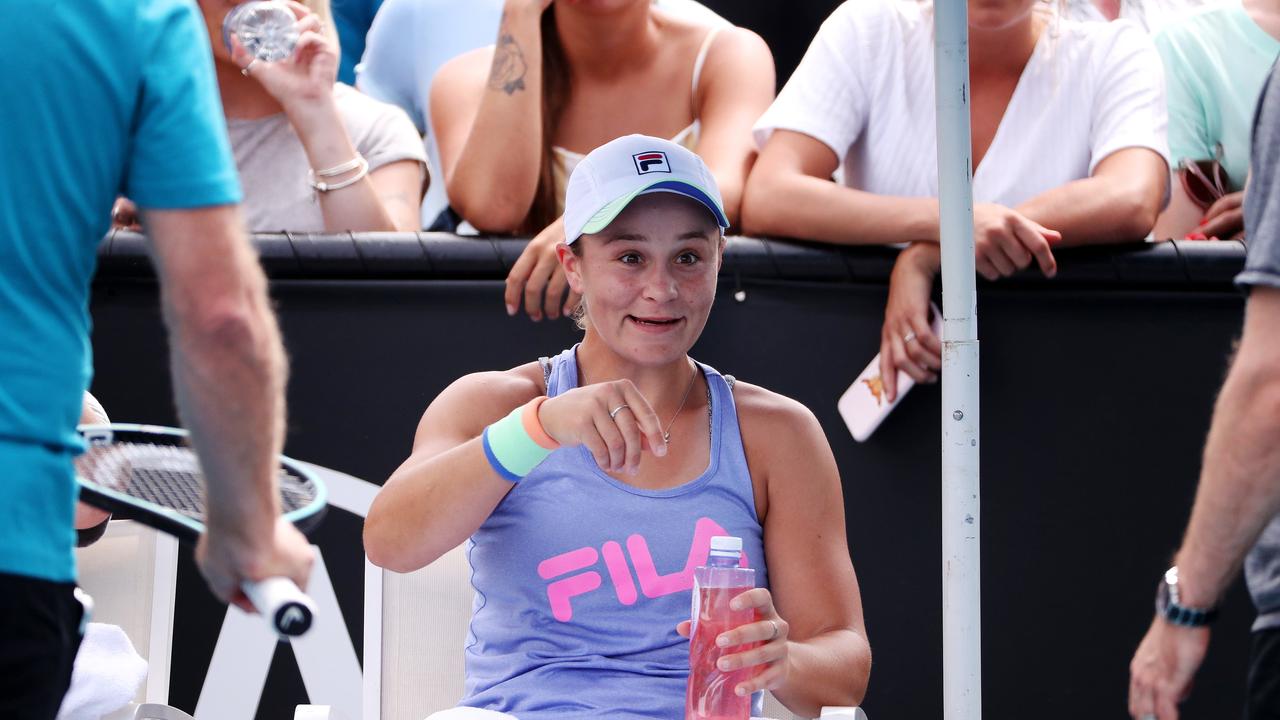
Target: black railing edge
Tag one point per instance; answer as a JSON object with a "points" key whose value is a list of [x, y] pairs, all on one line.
{"points": [[443, 256]]}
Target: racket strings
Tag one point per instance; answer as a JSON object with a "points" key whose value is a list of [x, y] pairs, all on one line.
{"points": [[170, 476]]}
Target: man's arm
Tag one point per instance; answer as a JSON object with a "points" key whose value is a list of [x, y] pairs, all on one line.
{"points": [[1239, 493], [229, 371], [1239, 489]]}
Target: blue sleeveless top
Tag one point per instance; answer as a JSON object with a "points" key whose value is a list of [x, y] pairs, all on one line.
{"points": [[580, 578]]}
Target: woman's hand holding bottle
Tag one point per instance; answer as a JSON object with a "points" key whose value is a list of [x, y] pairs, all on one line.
{"points": [[303, 81], [768, 653]]}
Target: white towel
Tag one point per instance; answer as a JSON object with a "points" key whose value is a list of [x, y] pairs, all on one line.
{"points": [[106, 676]]}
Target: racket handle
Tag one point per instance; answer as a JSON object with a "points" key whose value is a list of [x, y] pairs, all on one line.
{"points": [[286, 607]]}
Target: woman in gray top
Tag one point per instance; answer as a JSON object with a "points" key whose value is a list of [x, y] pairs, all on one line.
{"points": [[314, 155]]}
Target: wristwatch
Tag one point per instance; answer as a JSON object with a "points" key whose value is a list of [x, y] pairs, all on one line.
{"points": [[1167, 605]]}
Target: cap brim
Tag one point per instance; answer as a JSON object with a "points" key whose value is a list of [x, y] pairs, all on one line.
{"points": [[606, 214]]}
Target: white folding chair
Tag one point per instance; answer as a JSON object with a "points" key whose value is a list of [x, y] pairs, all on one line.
{"points": [[131, 574]]}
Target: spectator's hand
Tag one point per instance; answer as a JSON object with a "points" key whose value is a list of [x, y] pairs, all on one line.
{"points": [[1224, 220], [591, 416], [1007, 241], [307, 77], [227, 559], [769, 629], [907, 341], [538, 279], [1162, 669], [124, 215]]}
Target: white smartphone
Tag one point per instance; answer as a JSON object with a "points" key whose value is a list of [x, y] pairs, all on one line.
{"points": [[864, 405]]}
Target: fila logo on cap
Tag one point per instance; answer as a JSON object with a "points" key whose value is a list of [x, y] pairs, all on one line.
{"points": [[651, 162]]}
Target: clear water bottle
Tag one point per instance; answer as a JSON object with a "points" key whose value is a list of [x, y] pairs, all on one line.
{"points": [[710, 694], [267, 29]]}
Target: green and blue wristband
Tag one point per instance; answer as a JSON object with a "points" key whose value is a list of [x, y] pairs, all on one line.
{"points": [[517, 443]]}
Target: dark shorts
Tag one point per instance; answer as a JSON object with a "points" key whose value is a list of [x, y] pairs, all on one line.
{"points": [[39, 637], [1263, 701]]}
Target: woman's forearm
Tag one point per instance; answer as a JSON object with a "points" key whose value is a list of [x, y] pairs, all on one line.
{"points": [[429, 506], [495, 178], [831, 668], [802, 206], [356, 207], [1119, 203]]}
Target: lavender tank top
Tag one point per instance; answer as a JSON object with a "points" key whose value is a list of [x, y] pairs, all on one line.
{"points": [[580, 579]]}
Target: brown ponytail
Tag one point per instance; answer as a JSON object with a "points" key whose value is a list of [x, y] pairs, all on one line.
{"points": [[555, 96]]}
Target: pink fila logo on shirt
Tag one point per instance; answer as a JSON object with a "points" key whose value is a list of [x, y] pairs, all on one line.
{"points": [[653, 585]]}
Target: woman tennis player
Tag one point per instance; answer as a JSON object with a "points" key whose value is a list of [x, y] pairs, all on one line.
{"points": [[591, 483]]}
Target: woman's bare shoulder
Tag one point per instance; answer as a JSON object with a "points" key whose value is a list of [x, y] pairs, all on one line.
{"points": [[516, 386], [783, 441], [477, 399], [763, 412]]}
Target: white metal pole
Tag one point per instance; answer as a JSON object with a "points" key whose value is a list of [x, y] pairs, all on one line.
{"points": [[961, 573]]}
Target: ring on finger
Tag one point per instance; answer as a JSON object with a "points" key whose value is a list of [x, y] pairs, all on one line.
{"points": [[613, 414], [248, 68], [909, 336], [776, 630]]}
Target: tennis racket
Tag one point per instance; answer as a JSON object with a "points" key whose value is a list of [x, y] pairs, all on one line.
{"points": [[150, 474]]}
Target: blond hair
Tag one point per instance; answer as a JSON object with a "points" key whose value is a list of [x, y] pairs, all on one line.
{"points": [[324, 14]]}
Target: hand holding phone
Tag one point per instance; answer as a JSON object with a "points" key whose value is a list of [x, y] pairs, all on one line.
{"points": [[864, 405]]}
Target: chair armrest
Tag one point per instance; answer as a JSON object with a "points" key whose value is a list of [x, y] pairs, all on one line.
{"points": [[156, 711]]}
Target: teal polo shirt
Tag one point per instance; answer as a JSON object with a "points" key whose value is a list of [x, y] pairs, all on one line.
{"points": [[101, 97]]}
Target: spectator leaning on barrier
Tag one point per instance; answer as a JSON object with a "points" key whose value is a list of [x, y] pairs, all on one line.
{"points": [[1238, 501], [624, 437], [144, 70], [292, 127], [1216, 62], [513, 120], [1068, 147], [411, 39]]}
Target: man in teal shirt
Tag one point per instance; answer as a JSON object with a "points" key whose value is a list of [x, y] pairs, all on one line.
{"points": [[104, 97]]}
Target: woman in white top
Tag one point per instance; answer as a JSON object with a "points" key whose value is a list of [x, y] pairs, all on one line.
{"points": [[1068, 133], [566, 77], [287, 118]]}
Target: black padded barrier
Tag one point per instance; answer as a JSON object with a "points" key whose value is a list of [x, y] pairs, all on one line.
{"points": [[1097, 389]]}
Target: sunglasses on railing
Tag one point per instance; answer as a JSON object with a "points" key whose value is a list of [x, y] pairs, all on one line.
{"points": [[1205, 181]]}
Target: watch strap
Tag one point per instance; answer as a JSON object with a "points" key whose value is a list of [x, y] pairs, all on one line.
{"points": [[1188, 617]]}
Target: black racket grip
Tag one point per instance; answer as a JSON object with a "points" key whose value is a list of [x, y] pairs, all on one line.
{"points": [[288, 609]]}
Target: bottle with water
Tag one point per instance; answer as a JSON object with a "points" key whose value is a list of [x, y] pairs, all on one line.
{"points": [[266, 28], [710, 694]]}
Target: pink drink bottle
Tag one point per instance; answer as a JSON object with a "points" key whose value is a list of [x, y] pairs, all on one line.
{"points": [[711, 693]]}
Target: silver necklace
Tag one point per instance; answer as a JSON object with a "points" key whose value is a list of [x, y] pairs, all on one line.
{"points": [[666, 434]]}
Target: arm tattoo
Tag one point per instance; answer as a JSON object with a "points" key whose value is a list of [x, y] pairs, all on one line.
{"points": [[509, 67]]}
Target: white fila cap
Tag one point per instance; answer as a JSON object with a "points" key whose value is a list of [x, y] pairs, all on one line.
{"points": [[619, 171]]}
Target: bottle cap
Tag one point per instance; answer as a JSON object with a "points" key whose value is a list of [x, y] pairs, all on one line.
{"points": [[726, 545]]}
